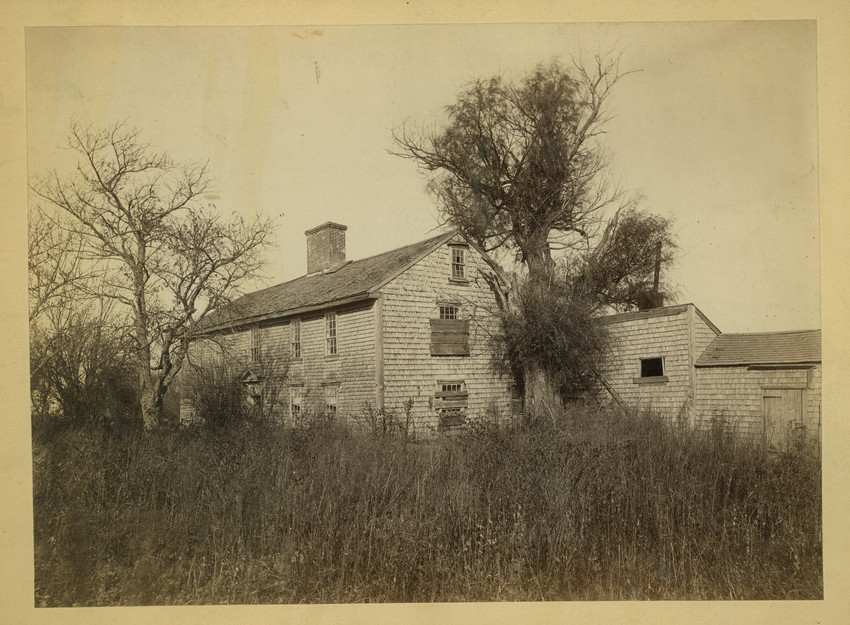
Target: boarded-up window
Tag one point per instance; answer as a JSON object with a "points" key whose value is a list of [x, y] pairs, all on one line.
{"points": [[449, 337], [450, 402]]}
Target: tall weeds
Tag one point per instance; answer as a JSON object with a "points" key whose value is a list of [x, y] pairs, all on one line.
{"points": [[606, 506]]}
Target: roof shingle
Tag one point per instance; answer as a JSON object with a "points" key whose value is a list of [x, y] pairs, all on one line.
{"points": [[767, 348], [352, 281]]}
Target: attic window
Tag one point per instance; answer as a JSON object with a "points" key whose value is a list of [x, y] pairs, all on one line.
{"points": [[458, 263]]}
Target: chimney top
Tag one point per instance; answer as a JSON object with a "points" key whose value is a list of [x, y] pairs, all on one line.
{"points": [[325, 247], [327, 224]]}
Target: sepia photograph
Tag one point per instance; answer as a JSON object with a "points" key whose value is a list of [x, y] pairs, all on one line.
{"points": [[424, 313]]}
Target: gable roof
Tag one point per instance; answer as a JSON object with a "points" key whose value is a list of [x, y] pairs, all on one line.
{"points": [[765, 348], [353, 281]]}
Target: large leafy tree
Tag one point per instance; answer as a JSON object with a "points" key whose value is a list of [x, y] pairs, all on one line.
{"points": [[150, 242], [518, 166]]}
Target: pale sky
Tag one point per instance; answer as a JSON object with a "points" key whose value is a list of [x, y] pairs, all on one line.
{"points": [[717, 129]]}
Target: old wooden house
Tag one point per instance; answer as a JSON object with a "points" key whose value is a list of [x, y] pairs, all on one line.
{"points": [[674, 361], [406, 330]]}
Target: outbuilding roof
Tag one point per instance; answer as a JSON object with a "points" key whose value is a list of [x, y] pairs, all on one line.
{"points": [[765, 348], [663, 311], [351, 282]]}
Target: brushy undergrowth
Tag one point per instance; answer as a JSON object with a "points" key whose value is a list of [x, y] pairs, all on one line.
{"points": [[606, 506]]}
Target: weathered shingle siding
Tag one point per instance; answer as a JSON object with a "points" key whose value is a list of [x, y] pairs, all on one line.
{"points": [[353, 368], [703, 334], [664, 336], [410, 372], [733, 396]]}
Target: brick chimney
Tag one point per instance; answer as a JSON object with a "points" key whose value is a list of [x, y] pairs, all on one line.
{"points": [[325, 247]]}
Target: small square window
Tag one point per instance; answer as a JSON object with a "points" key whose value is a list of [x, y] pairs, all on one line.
{"points": [[651, 367], [448, 311], [452, 387]]}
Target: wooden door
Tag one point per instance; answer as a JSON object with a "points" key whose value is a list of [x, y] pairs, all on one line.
{"points": [[783, 412]]}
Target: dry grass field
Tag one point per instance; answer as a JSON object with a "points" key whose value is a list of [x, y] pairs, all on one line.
{"points": [[606, 506]]}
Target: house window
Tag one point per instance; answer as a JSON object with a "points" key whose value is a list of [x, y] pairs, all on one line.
{"points": [[458, 263], [330, 334], [450, 402], [295, 337], [651, 367], [449, 337], [331, 399], [255, 345], [448, 311], [651, 372], [296, 397]]}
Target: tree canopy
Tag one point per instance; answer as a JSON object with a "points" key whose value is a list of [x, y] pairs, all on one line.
{"points": [[150, 240], [519, 166]]}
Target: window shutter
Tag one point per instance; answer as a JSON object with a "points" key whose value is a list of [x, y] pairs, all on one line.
{"points": [[449, 337]]}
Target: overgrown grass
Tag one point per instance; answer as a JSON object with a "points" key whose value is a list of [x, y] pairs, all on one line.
{"points": [[607, 506]]}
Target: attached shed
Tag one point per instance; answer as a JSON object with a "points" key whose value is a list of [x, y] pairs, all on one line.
{"points": [[764, 385], [652, 358]]}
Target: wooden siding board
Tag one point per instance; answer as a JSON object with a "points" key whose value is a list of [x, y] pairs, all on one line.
{"points": [[733, 395], [411, 372], [636, 336]]}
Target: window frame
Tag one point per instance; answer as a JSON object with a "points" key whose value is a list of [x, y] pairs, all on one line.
{"points": [[449, 311], [296, 390], [458, 263], [331, 391], [255, 339], [451, 402], [651, 379], [295, 338], [331, 334]]}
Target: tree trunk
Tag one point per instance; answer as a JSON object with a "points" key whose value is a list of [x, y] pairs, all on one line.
{"points": [[151, 399], [542, 396], [542, 399]]}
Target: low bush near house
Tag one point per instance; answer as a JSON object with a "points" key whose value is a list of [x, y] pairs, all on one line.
{"points": [[608, 505]]}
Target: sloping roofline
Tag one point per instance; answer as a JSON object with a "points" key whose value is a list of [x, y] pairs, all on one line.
{"points": [[795, 347], [368, 290]]}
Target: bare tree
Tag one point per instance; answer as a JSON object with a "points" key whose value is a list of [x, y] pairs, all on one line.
{"points": [[152, 243], [519, 167]]}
